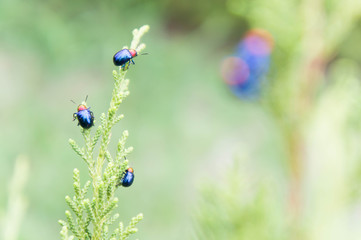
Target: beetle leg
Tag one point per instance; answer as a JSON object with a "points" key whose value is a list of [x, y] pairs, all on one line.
{"points": [[74, 116], [133, 62]]}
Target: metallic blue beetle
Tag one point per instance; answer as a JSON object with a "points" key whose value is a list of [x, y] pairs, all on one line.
{"points": [[85, 117], [128, 178], [124, 56]]}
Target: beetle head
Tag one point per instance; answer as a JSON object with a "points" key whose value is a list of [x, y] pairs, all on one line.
{"points": [[81, 107], [133, 52]]}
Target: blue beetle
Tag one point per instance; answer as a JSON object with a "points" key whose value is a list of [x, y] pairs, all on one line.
{"points": [[128, 178], [124, 56], [85, 116]]}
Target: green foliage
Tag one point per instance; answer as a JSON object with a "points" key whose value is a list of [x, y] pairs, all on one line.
{"points": [[240, 207], [17, 203], [93, 215], [313, 99]]}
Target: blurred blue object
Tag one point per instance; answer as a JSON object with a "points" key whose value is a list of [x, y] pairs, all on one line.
{"points": [[245, 72]]}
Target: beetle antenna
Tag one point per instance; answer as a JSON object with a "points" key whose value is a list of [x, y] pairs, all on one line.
{"points": [[72, 101], [86, 98], [145, 53]]}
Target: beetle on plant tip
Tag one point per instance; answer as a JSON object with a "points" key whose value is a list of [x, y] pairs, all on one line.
{"points": [[84, 115], [125, 56]]}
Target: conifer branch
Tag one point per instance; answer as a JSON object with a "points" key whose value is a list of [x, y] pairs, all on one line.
{"points": [[92, 218]]}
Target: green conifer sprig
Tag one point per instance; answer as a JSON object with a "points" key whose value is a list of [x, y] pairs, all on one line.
{"points": [[92, 215]]}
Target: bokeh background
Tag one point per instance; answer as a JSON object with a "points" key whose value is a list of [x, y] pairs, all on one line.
{"points": [[244, 117]]}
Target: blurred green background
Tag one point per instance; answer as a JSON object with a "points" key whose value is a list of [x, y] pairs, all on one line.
{"points": [[185, 125]]}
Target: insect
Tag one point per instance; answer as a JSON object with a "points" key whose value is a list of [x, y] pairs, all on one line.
{"points": [[128, 178], [84, 115], [124, 56]]}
